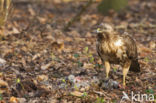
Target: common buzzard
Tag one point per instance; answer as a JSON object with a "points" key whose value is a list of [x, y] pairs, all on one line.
{"points": [[117, 49]]}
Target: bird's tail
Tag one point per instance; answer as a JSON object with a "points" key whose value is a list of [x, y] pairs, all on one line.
{"points": [[135, 66]]}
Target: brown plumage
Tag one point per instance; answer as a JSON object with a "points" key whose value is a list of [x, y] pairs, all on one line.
{"points": [[116, 49]]}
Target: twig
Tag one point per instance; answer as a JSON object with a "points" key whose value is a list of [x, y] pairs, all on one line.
{"points": [[100, 93], [78, 15]]}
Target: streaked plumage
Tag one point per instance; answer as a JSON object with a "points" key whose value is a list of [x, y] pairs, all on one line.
{"points": [[116, 49]]}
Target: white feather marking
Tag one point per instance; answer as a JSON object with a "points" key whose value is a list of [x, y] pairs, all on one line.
{"points": [[118, 43]]}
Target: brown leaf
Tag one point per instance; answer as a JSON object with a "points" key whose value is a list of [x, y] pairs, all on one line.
{"points": [[88, 66], [14, 100], [3, 86], [42, 77], [152, 45], [45, 66], [58, 46], [36, 56], [76, 93]]}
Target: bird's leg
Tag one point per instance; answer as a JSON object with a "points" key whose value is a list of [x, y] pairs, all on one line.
{"points": [[107, 67], [125, 71]]}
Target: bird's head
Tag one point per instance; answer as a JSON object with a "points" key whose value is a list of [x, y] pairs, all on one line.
{"points": [[103, 31], [104, 27]]}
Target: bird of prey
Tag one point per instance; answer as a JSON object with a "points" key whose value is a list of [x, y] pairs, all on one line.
{"points": [[116, 49]]}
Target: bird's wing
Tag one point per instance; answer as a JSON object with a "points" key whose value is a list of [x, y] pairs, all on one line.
{"points": [[131, 49]]}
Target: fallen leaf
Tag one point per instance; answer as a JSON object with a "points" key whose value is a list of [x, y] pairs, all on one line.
{"points": [[152, 45], [1, 74], [41, 19], [21, 100], [77, 94], [42, 77], [3, 87], [2, 62], [144, 49], [58, 46], [31, 11], [45, 66], [36, 56], [88, 66], [14, 100]]}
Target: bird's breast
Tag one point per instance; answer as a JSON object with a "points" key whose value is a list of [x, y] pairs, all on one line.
{"points": [[113, 50]]}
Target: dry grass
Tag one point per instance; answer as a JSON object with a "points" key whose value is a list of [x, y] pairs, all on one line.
{"points": [[5, 6]]}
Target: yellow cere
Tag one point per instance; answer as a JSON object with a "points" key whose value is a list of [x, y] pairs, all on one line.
{"points": [[98, 30]]}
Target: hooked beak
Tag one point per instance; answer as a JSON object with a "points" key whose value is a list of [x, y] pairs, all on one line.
{"points": [[99, 30]]}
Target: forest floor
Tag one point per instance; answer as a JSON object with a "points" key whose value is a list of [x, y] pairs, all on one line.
{"points": [[40, 62]]}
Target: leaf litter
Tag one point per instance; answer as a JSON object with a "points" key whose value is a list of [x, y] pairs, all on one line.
{"points": [[40, 62]]}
